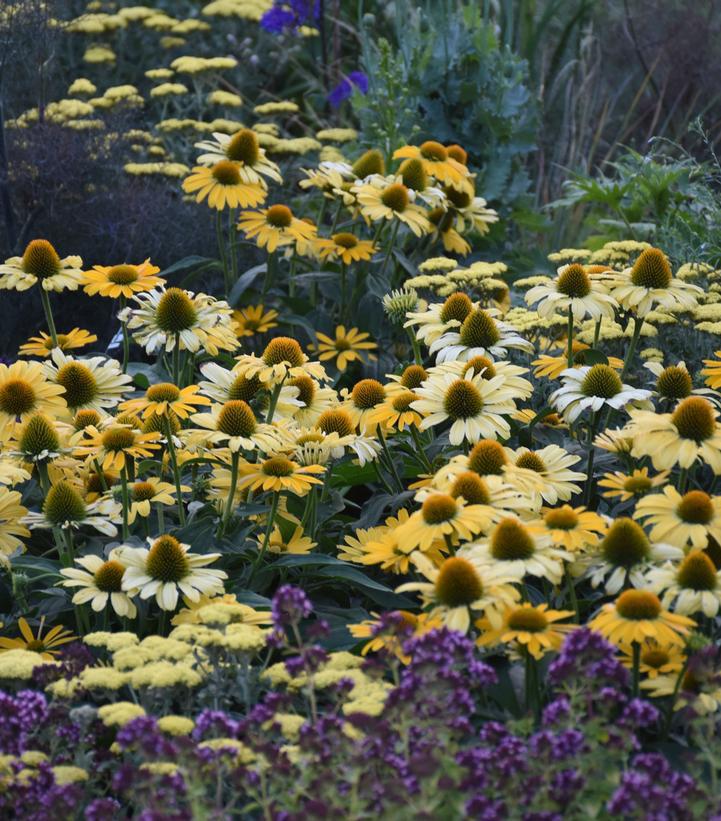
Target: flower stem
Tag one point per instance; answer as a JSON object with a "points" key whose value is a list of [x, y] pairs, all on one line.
{"points": [[126, 336], [266, 538], [391, 463], [126, 501], [176, 471], [230, 503], [274, 401], [45, 299], [419, 446], [221, 250], [571, 587], [569, 333], [638, 324], [636, 668], [176, 360], [389, 250], [416, 347]]}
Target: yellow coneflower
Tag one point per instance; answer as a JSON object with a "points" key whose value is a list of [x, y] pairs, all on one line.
{"points": [[345, 247], [380, 201], [681, 519], [655, 659], [43, 344], [534, 629], [47, 645], [347, 346], [223, 186], [637, 615], [24, 390], [437, 162], [165, 398], [121, 280], [441, 516], [279, 473], [114, 445], [631, 485], [571, 528], [147, 492], [254, 319], [89, 384], [274, 227], [244, 151], [11, 527]]}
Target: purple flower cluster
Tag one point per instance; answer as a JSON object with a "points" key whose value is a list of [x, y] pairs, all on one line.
{"points": [[20, 717], [290, 606], [587, 655], [344, 89], [289, 15], [653, 791]]}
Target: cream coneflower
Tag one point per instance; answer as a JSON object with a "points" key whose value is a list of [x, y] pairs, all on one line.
{"points": [[43, 344], [655, 659], [637, 615], [460, 589], [593, 388], [168, 568], [39, 439], [691, 433], [440, 317], [533, 629], [443, 517], [571, 528], [475, 407], [222, 384], [649, 283], [101, 580], [380, 200], [278, 473], [89, 384], [572, 291], [512, 547], [347, 346], [254, 319], [346, 247], [470, 213], [681, 520], [243, 150], [282, 358], [25, 390], [362, 401], [164, 398], [692, 586], [303, 399], [164, 318], [113, 446], [674, 382], [480, 334], [41, 263], [234, 425], [121, 280], [633, 485], [395, 412], [510, 373], [623, 556], [545, 474], [223, 186], [274, 227], [64, 507]]}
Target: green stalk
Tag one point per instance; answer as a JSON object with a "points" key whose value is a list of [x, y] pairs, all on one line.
{"points": [[266, 538], [571, 587], [176, 471], [126, 337], [221, 250], [230, 504], [638, 324], [416, 347], [274, 401], [45, 299], [569, 353], [636, 668], [391, 463], [125, 501], [421, 451], [391, 243], [176, 360]]}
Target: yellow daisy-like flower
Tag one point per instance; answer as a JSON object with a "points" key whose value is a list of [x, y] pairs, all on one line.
{"points": [[460, 589], [282, 358], [545, 474], [631, 485], [234, 424], [345, 348], [11, 528], [42, 345], [712, 371], [379, 201], [275, 227], [553, 366], [570, 528], [691, 433], [24, 391], [393, 554], [47, 645], [637, 615], [148, 492], [254, 319], [116, 444], [41, 263], [681, 520], [395, 412], [655, 659], [443, 517], [419, 623], [437, 162], [277, 474], [243, 150], [572, 291], [223, 186], [121, 280], [100, 581], [346, 247], [699, 690], [533, 629], [164, 399], [296, 543]]}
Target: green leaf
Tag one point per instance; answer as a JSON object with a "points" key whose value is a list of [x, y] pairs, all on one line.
{"points": [[192, 261], [244, 282], [591, 356]]}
